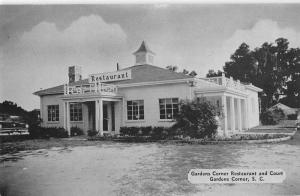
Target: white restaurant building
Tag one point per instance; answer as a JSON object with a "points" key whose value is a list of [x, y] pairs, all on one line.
{"points": [[143, 95]]}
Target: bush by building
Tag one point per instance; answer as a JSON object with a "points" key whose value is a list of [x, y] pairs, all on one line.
{"points": [[272, 117], [47, 132], [75, 131], [135, 131], [196, 119], [152, 132], [92, 133], [145, 131]]}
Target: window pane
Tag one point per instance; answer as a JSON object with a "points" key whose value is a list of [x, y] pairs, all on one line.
{"points": [[169, 116], [142, 116], [161, 101], [175, 106], [169, 106], [175, 100], [168, 101]]}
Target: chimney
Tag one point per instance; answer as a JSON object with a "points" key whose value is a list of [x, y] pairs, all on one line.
{"points": [[74, 73]]}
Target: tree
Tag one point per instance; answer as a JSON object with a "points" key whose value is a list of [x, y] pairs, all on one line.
{"points": [[266, 76], [272, 67], [193, 73], [11, 108], [172, 68], [292, 75], [184, 71], [242, 64], [212, 73]]}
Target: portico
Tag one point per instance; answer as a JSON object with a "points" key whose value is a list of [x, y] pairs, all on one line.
{"points": [[100, 107], [230, 98]]}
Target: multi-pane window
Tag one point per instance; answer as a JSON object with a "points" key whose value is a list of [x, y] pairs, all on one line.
{"points": [[75, 111], [53, 113], [135, 110], [168, 108]]}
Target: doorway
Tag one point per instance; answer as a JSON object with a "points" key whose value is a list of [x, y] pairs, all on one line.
{"points": [[108, 116]]}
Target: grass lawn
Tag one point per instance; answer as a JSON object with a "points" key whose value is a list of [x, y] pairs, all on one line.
{"points": [[35, 144]]}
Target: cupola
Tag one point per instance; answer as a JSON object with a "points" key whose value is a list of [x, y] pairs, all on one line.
{"points": [[144, 55]]}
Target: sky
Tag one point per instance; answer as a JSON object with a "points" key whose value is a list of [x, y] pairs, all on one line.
{"points": [[39, 42]]}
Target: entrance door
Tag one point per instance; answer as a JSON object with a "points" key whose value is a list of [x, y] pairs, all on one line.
{"points": [[105, 118]]}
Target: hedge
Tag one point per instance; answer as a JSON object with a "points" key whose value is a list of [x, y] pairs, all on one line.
{"points": [[47, 132], [148, 131]]}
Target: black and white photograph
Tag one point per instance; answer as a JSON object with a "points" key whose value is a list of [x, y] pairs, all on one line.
{"points": [[149, 98]]}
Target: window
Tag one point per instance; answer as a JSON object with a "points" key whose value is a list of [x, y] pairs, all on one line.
{"points": [[135, 110], [168, 108], [75, 111], [53, 113]]}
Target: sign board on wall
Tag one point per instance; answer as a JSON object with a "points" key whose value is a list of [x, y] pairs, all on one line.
{"points": [[110, 76]]}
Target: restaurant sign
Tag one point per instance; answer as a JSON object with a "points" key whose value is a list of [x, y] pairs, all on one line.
{"points": [[110, 76]]}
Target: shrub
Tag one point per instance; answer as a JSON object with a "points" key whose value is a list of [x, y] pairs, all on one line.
{"points": [[146, 130], [92, 133], [267, 118], [47, 132], [196, 119], [292, 116], [155, 132], [133, 131], [130, 131], [123, 130], [76, 131], [272, 117]]}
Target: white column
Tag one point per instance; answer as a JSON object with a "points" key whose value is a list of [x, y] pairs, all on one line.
{"points": [[224, 106], [97, 125], [239, 108], [42, 112], [232, 114], [67, 117], [101, 117], [246, 114], [64, 115]]}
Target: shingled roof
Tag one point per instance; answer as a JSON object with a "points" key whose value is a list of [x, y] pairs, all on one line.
{"points": [[139, 74]]}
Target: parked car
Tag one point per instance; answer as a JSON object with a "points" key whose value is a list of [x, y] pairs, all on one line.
{"points": [[10, 125]]}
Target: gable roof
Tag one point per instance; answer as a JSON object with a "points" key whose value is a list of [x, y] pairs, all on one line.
{"points": [[286, 109], [139, 74], [280, 105], [143, 48]]}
